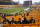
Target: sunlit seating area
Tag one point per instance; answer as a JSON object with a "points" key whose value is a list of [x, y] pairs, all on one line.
{"points": [[35, 13]]}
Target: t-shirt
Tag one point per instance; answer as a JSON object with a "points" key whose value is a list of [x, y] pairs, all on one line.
{"points": [[18, 22], [1, 25], [13, 22], [32, 21]]}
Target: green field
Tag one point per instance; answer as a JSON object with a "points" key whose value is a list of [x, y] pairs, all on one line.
{"points": [[12, 10]]}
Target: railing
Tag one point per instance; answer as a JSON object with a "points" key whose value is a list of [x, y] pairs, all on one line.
{"points": [[21, 25]]}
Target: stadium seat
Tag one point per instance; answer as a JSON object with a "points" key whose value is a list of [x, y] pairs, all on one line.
{"points": [[12, 25], [5, 25], [19, 25], [26, 26], [39, 26], [34, 26], [0, 17]]}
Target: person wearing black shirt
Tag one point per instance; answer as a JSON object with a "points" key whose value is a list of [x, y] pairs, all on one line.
{"points": [[32, 20], [5, 21], [25, 21], [13, 21], [19, 22], [27, 14], [4, 16]]}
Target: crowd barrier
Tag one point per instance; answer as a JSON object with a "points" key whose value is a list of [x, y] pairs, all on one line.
{"points": [[21, 25]]}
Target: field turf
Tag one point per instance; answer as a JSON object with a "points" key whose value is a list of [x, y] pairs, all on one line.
{"points": [[12, 10]]}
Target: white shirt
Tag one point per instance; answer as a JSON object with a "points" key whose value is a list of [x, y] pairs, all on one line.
{"points": [[1, 25]]}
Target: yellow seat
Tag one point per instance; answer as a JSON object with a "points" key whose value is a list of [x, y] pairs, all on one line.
{"points": [[5, 25], [39, 26], [26, 26], [12, 25], [18, 26], [34, 26]]}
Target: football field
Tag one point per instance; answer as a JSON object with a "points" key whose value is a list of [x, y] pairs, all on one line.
{"points": [[12, 10]]}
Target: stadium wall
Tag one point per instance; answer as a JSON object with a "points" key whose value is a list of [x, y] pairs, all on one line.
{"points": [[10, 6]]}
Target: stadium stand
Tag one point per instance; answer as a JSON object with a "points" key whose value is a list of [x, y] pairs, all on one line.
{"points": [[33, 13], [10, 6]]}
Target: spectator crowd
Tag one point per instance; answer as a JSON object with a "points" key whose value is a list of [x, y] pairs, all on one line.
{"points": [[25, 21]]}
